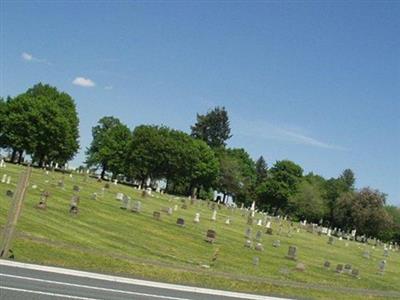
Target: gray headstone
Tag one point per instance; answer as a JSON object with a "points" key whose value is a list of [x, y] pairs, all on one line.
{"points": [[292, 253]]}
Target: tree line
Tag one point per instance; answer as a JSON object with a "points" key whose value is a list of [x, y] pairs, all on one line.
{"points": [[43, 123]]}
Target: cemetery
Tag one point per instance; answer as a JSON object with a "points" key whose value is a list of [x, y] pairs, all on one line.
{"points": [[162, 237]]}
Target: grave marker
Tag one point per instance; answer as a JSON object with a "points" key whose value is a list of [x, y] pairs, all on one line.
{"points": [[276, 244], [73, 208], [214, 215], [196, 218], [157, 215], [180, 222], [137, 206], [339, 268], [355, 273], [258, 236], [259, 247], [210, 236], [292, 253], [327, 264]]}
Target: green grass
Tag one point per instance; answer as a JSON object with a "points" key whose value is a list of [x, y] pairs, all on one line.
{"points": [[104, 238]]}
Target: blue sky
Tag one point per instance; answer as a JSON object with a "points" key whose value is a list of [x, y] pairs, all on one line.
{"points": [[314, 82]]}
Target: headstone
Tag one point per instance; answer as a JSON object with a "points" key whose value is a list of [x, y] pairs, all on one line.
{"points": [[94, 196], [137, 206], [249, 220], [256, 261], [247, 233], [214, 215], [385, 252], [382, 266], [175, 207], [259, 222], [366, 254], [347, 268], [210, 236], [327, 264], [125, 203], [330, 240], [292, 253], [259, 247], [9, 193], [157, 215], [8, 180], [258, 236], [167, 210], [196, 218], [248, 243], [184, 206], [276, 244], [107, 186], [269, 231], [355, 273], [300, 267], [339, 268], [4, 178], [180, 222], [119, 196], [73, 208], [61, 183], [268, 224], [76, 188]]}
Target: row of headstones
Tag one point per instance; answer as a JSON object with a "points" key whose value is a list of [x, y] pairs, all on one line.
{"points": [[6, 179]]}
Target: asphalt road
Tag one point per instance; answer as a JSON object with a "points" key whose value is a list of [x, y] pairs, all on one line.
{"points": [[26, 281]]}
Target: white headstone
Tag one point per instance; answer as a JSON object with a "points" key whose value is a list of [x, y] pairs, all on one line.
{"points": [[214, 215], [175, 207], [4, 178], [228, 221], [8, 179], [197, 218], [259, 223]]}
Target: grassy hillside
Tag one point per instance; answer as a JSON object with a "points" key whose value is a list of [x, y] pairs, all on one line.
{"points": [[105, 238]]}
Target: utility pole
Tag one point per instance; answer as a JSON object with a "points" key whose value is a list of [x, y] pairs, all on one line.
{"points": [[14, 212]]}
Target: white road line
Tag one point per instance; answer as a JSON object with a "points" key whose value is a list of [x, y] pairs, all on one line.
{"points": [[45, 293], [161, 285], [93, 287]]}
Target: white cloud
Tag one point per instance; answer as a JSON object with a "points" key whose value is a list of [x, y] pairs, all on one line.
{"points": [[26, 56], [108, 87], [267, 130], [84, 82], [30, 58]]}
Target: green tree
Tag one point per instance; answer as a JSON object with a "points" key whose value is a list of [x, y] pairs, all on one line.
{"points": [[109, 146], [18, 127], [348, 180], [363, 210], [213, 127], [307, 203], [394, 232], [284, 177], [261, 170], [55, 124]]}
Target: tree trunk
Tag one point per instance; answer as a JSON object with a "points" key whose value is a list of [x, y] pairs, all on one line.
{"points": [[20, 156], [103, 172], [13, 154]]}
